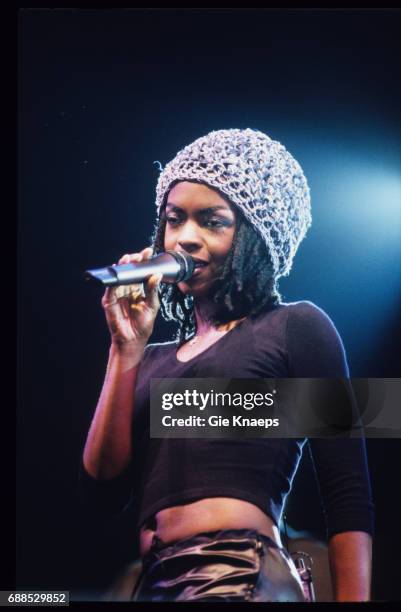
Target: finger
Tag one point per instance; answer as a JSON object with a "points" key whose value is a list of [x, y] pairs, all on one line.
{"points": [[109, 298], [124, 259], [130, 257], [115, 296], [127, 291], [125, 307], [151, 290], [147, 252]]}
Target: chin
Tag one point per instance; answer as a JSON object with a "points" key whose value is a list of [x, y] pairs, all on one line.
{"points": [[194, 289], [199, 290]]}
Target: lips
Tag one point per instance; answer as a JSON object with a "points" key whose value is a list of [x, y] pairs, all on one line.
{"points": [[199, 263]]}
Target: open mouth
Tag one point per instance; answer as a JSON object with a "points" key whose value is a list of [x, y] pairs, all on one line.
{"points": [[200, 264]]}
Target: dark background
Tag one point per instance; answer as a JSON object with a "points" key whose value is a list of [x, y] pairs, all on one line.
{"points": [[105, 93]]}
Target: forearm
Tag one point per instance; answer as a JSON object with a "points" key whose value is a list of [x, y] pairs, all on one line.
{"points": [[350, 556], [108, 449]]}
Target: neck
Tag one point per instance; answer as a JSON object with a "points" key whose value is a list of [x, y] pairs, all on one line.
{"points": [[204, 311]]}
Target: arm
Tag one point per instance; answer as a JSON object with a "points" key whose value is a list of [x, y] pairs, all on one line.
{"points": [[341, 466], [107, 451], [350, 558], [343, 478], [105, 478]]}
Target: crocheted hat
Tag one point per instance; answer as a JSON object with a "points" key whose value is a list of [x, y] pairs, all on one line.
{"points": [[258, 175]]}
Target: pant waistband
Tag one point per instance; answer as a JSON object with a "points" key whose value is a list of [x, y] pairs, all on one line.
{"points": [[211, 536], [209, 564]]}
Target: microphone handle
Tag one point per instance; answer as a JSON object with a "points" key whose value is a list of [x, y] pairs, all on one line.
{"points": [[171, 264], [137, 273]]}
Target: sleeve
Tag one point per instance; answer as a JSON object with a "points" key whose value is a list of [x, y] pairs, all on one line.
{"points": [[104, 498], [314, 346], [342, 473], [315, 350]]}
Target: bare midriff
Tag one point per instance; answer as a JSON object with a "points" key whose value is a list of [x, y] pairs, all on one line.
{"points": [[209, 514]]}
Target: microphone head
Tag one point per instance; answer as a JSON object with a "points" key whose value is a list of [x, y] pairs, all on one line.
{"points": [[104, 276], [187, 265]]}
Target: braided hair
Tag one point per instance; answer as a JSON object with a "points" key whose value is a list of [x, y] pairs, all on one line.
{"points": [[246, 285]]}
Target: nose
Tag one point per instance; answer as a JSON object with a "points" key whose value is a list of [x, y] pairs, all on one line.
{"points": [[189, 238]]}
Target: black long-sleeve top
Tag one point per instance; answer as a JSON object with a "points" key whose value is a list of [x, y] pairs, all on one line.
{"points": [[290, 340]]}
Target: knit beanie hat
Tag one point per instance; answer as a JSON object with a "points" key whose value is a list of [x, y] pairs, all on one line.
{"points": [[259, 176]]}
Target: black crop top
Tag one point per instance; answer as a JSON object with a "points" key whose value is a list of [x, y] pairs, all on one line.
{"points": [[291, 340]]}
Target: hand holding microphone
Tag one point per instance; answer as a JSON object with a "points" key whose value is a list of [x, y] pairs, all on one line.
{"points": [[131, 308], [131, 311]]}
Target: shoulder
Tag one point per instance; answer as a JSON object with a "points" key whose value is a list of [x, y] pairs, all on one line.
{"points": [[154, 358], [306, 313], [314, 344], [155, 346], [310, 321], [297, 317], [158, 349]]}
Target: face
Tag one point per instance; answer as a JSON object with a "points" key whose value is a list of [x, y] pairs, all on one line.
{"points": [[200, 223]]}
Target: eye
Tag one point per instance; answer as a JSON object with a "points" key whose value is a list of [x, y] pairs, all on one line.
{"points": [[172, 220], [217, 223], [214, 223]]}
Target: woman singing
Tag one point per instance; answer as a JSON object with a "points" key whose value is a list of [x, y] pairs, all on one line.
{"points": [[210, 509]]}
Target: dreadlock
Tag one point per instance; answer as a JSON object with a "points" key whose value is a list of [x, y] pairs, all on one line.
{"points": [[246, 285]]}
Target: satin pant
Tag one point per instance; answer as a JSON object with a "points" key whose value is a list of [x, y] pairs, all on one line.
{"points": [[227, 565]]}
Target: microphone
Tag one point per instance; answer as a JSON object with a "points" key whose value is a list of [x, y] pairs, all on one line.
{"points": [[174, 267]]}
